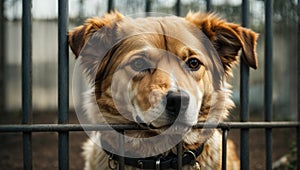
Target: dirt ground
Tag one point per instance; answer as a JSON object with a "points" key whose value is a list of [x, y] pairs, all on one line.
{"points": [[45, 145]]}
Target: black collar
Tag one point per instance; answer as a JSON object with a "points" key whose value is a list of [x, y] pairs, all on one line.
{"points": [[159, 161]]}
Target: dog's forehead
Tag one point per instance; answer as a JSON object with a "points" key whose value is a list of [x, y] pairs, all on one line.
{"points": [[171, 26], [162, 32], [131, 26]]}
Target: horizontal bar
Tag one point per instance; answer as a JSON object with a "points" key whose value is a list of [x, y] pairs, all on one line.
{"points": [[105, 127], [239, 125]]}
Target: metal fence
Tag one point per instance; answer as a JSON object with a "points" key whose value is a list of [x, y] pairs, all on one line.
{"points": [[63, 128]]}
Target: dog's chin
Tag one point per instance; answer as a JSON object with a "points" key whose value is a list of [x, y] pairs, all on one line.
{"points": [[172, 128]]}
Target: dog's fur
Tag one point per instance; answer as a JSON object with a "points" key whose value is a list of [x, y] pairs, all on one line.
{"points": [[209, 94]]}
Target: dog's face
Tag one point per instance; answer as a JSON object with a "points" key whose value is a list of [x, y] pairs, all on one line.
{"points": [[161, 71]]}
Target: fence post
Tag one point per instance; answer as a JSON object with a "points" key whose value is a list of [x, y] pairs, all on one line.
{"points": [[298, 84], [63, 83], [111, 5], [2, 58], [26, 82], [178, 7], [268, 79], [244, 96], [148, 6], [179, 148], [208, 5], [224, 148]]}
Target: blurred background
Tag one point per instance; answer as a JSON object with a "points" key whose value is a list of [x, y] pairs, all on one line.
{"points": [[45, 85], [44, 54]]}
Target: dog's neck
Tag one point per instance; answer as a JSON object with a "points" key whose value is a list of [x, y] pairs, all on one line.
{"points": [[161, 161]]}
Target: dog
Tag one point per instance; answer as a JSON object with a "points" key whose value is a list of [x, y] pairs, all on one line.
{"points": [[164, 75]]}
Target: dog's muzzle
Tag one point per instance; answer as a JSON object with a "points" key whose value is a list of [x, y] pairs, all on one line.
{"points": [[176, 106]]}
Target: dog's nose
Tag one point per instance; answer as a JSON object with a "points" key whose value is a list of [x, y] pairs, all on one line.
{"points": [[177, 102]]}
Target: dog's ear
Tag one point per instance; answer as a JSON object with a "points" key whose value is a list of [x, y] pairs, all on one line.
{"points": [[80, 35], [92, 41], [227, 39]]}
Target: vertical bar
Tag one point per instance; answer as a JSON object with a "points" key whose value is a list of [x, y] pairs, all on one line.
{"points": [[111, 5], [26, 82], [122, 150], [63, 83], [244, 97], [268, 80], [148, 6], [224, 148], [2, 57], [178, 7], [208, 5], [298, 77], [179, 155]]}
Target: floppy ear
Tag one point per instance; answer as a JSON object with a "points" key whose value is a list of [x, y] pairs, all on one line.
{"points": [[92, 41], [227, 39], [79, 35]]}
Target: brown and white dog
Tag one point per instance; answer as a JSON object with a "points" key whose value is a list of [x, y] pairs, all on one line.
{"points": [[164, 74]]}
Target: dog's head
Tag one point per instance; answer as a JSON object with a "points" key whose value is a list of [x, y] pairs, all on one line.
{"points": [[157, 71]]}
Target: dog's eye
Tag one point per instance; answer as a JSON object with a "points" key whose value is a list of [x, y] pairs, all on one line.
{"points": [[194, 64], [139, 65]]}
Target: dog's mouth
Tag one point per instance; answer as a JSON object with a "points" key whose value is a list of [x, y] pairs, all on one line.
{"points": [[172, 127]]}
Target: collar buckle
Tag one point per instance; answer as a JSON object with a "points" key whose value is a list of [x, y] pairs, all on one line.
{"points": [[193, 157], [157, 164], [112, 164]]}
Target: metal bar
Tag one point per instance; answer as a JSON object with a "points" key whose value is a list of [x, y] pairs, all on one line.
{"points": [[63, 83], [244, 96], [105, 127], [208, 5], [2, 57], [26, 82], [224, 148], [179, 155], [298, 78], [148, 6], [111, 5], [178, 7], [268, 79], [122, 150]]}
